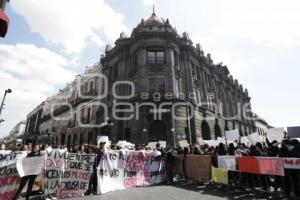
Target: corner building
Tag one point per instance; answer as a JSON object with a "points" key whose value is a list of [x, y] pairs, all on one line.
{"points": [[166, 69]]}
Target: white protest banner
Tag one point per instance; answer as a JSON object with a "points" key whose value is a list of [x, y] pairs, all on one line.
{"points": [[227, 162], [123, 169], [293, 132], [66, 174], [275, 134], [9, 177], [291, 163], [111, 171], [254, 138], [8, 157], [232, 135], [25, 165]]}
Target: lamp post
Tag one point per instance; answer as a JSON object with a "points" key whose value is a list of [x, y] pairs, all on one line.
{"points": [[2, 104]]}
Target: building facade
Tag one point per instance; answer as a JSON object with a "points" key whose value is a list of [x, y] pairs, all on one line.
{"points": [[154, 85]]}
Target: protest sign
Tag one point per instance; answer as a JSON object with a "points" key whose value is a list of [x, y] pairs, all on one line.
{"points": [[102, 138], [212, 143], [245, 140], [261, 165], [254, 138], [275, 134], [293, 132], [219, 175], [9, 177], [178, 169], [232, 135], [227, 162], [152, 145], [183, 143], [221, 140], [25, 166], [67, 174], [248, 164], [291, 163], [270, 166], [8, 157], [163, 144], [124, 169], [198, 167]]}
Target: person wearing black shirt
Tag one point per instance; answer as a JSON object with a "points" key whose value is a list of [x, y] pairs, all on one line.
{"points": [[30, 178]]}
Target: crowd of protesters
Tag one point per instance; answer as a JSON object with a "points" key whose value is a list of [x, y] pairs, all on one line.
{"points": [[286, 148]]}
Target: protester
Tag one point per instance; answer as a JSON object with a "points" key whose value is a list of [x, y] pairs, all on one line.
{"points": [[30, 178]]}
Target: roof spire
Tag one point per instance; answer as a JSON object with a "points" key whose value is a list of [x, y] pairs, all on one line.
{"points": [[153, 11]]}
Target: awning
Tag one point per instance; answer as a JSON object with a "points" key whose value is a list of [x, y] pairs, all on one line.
{"points": [[4, 20]]}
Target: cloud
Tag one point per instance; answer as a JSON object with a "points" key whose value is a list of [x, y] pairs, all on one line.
{"points": [[71, 23], [33, 74], [270, 22]]}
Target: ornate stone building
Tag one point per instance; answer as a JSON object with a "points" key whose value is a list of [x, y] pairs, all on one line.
{"points": [[177, 93]]}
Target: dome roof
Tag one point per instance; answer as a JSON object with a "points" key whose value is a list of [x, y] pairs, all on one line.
{"points": [[153, 19], [153, 24]]}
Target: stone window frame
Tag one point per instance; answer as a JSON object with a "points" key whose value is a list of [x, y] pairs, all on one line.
{"points": [[156, 49]]}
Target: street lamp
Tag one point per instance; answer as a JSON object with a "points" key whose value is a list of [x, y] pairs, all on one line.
{"points": [[5, 93]]}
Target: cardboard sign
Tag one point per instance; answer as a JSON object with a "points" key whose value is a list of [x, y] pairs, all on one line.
{"points": [[199, 167], [232, 135], [178, 169]]}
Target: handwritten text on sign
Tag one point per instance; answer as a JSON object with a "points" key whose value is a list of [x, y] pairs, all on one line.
{"points": [[123, 169], [67, 174]]}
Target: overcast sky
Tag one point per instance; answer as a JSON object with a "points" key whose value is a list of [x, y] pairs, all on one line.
{"points": [[49, 41]]}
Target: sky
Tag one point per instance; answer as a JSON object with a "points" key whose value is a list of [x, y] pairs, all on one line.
{"points": [[49, 42]]}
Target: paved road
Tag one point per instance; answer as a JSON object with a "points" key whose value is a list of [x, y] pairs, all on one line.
{"points": [[181, 192]]}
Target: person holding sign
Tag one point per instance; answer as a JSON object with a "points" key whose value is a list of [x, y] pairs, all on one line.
{"points": [[30, 178]]}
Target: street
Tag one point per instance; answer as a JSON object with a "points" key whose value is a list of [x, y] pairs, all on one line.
{"points": [[181, 192]]}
